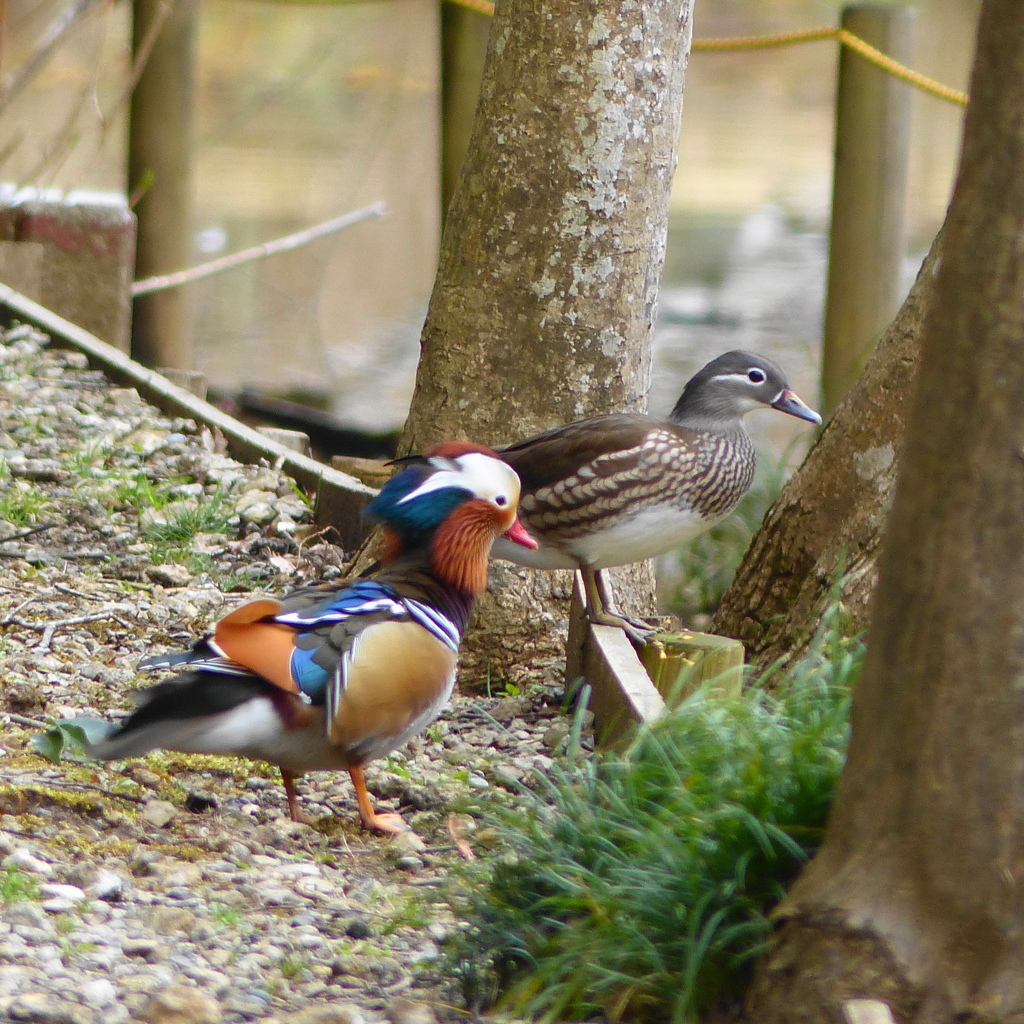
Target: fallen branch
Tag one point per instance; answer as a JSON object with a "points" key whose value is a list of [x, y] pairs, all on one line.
{"points": [[49, 628]]}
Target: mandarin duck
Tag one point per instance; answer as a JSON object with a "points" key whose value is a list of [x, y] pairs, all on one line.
{"points": [[335, 675], [617, 489]]}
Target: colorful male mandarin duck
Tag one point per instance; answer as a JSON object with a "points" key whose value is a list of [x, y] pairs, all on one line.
{"points": [[333, 676], [617, 489]]}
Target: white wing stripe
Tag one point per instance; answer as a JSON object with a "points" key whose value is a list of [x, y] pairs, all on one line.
{"points": [[384, 604]]}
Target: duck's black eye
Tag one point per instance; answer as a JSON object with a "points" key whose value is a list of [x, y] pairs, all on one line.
{"points": [[756, 376], [501, 501]]}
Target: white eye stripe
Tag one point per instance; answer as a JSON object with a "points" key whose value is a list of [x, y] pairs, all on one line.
{"points": [[483, 476], [437, 482], [745, 377]]}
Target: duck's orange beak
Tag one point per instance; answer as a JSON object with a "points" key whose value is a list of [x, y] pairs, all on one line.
{"points": [[518, 534]]}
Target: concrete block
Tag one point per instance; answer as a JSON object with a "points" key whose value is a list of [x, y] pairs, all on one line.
{"points": [[74, 254]]}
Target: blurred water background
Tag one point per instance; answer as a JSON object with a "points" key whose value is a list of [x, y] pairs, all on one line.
{"points": [[308, 111]]}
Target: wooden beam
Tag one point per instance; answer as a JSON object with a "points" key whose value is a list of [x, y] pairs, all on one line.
{"points": [[340, 498], [872, 147], [628, 689]]}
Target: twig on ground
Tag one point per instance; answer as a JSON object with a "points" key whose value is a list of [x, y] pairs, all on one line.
{"points": [[78, 593], [32, 723], [49, 628], [28, 533], [10, 617]]}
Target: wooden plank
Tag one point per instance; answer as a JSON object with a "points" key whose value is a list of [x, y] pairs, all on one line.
{"points": [[340, 498], [630, 689], [681, 663], [622, 694]]}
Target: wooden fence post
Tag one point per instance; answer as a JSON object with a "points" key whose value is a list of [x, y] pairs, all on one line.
{"points": [[463, 48], [160, 160], [869, 196]]}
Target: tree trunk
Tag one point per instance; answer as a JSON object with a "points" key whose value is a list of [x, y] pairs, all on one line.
{"points": [[915, 896], [544, 303], [828, 520]]}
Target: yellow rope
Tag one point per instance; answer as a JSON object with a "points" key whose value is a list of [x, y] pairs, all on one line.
{"points": [[855, 43]]}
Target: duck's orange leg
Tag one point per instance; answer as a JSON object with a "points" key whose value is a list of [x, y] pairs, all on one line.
{"points": [[294, 811], [392, 823]]}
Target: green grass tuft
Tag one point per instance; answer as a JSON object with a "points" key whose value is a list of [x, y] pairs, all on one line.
{"points": [[181, 521], [16, 885], [638, 886], [24, 504]]}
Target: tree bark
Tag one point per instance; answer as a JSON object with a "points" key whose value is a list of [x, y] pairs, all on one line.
{"points": [[916, 895], [544, 303], [827, 522]]}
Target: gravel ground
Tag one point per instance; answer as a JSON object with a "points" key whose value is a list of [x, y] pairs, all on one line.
{"points": [[175, 888]]}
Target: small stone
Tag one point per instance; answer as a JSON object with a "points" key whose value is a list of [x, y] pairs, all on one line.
{"points": [[254, 497], [99, 992], [167, 920], [409, 863], [123, 398], [407, 842], [169, 575], [179, 1004], [26, 914], [67, 892], [176, 873], [25, 860], [249, 1004], [196, 803], [409, 1011], [159, 812], [337, 1013], [12, 979], [59, 905], [109, 886], [358, 928], [144, 948], [259, 514], [143, 776], [42, 1008], [556, 736], [421, 798]]}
